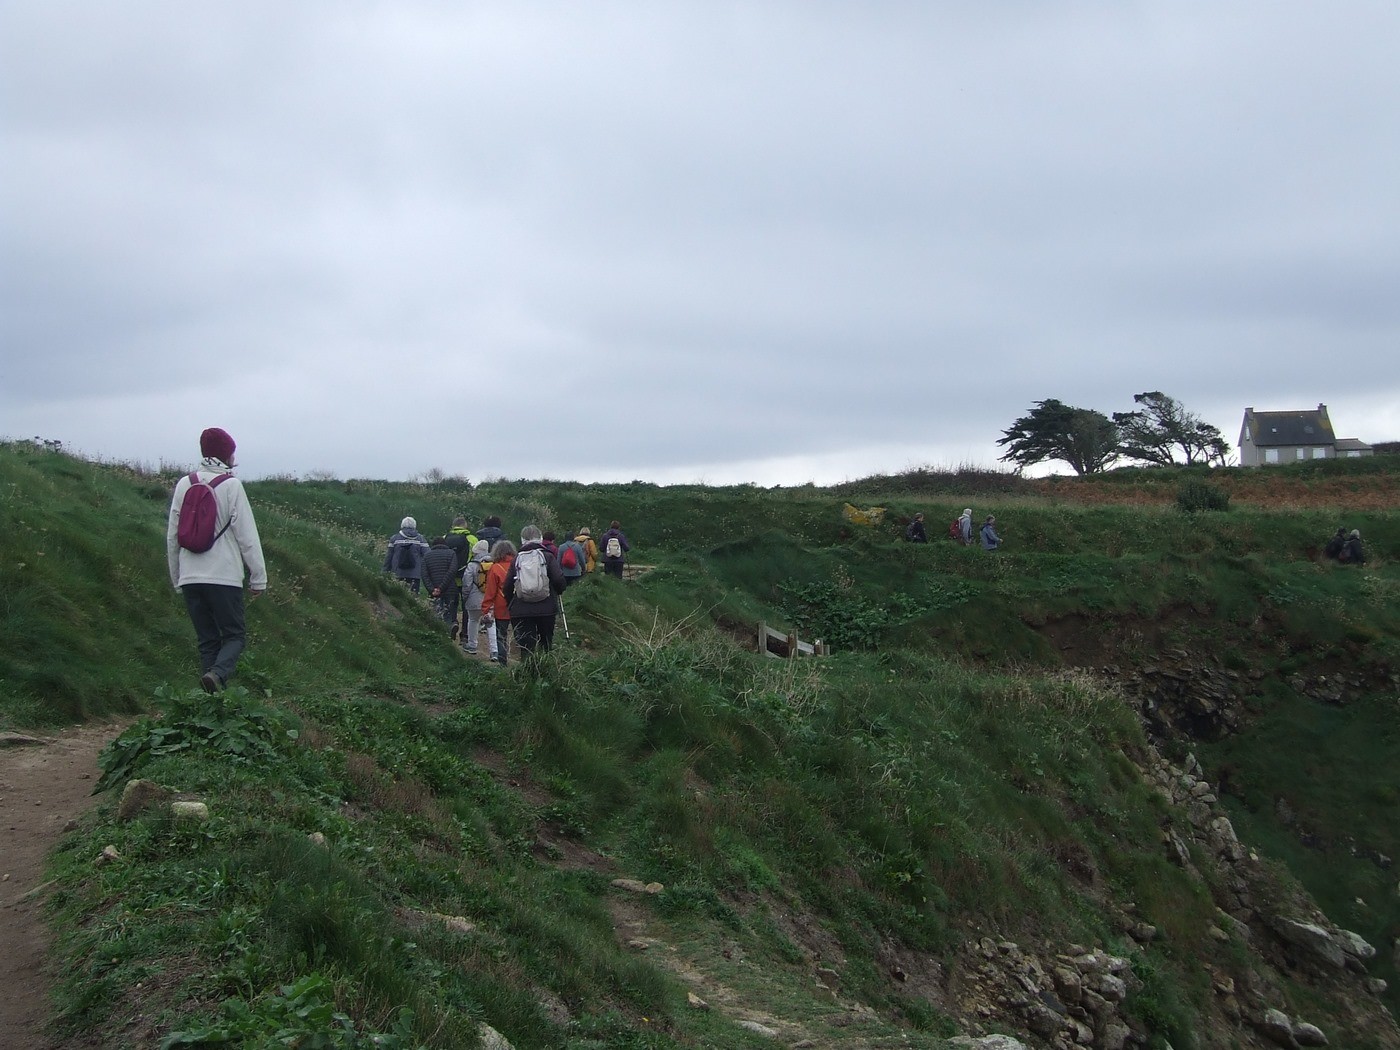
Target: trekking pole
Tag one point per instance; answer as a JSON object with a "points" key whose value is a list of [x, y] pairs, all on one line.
{"points": [[563, 615]]}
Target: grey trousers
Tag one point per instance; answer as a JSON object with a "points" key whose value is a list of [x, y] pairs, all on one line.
{"points": [[217, 614]]}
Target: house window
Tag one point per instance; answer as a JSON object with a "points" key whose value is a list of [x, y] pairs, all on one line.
{"points": [[1319, 453], [1300, 453], [1353, 455], [1271, 455]]}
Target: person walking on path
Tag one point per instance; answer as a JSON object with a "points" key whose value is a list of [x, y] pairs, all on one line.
{"points": [[532, 588], [572, 560], [495, 607], [473, 589], [211, 581], [965, 526], [404, 558], [461, 540], [615, 548], [440, 572], [491, 531], [590, 550], [990, 540], [915, 532]]}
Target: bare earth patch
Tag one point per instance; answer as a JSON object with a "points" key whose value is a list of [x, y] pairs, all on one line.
{"points": [[43, 785]]}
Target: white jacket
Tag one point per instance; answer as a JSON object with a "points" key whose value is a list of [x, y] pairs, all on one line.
{"points": [[239, 545]]}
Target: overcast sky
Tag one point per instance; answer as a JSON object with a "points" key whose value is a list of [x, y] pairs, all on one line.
{"points": [[775, 242]]}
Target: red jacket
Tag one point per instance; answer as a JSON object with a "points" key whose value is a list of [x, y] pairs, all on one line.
{"points": [[493, 595]]}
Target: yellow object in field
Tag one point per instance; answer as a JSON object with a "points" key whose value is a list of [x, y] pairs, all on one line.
{"points": [[856, 516]]}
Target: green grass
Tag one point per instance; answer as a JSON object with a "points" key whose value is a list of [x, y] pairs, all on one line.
{"points": [[950, 768]]}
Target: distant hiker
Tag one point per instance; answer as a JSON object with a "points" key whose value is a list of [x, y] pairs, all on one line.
{"points": [[615, 548], [548, 540], [532, 587], [915, 532], [965, 526], [440, 569], [590, 550], [495, 608], [1336, 545], [211, 579], [990, 540], [1352, 554], [573, 557], [404, 558], [473, 589], [491, 531]]}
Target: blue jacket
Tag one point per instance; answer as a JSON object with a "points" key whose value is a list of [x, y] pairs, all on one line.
{"points": [[990, 540]]}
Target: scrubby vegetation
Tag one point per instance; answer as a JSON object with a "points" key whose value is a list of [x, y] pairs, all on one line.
{"points": [[404, 844]]}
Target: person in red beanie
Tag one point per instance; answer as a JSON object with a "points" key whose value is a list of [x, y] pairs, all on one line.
{"points": [[211, 581]]}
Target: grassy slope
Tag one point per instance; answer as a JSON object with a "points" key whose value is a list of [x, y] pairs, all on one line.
{"points": [[892, 794]]}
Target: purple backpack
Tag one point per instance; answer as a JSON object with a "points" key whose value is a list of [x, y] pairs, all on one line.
{"points": [[199, 514]]}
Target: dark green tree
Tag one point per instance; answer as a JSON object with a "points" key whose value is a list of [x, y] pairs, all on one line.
{"points": [[1085, 439], [1162, 430]]}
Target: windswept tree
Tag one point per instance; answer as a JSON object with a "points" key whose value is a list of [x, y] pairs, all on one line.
{"points": [[1162, 431], [1085, 439]]}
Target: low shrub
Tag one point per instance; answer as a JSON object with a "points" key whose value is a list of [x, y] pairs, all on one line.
{"points": [[1195, 495]]}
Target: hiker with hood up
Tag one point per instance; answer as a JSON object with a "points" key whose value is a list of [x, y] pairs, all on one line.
{"points": [[990, 540], [915, 532], [440, 570], [211, 581], [532, 587], [495, 607], [965, 526], [473, 590], [404, 558]]}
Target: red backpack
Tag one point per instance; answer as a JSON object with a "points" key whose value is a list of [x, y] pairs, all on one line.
{"points": [[199, 514], [568, 557], [955, 530]]}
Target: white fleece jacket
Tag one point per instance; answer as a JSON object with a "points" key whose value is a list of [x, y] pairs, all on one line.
{"points": [[222, 563]]}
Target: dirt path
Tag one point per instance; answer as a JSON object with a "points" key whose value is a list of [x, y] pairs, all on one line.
{"points": [[43, 785]]}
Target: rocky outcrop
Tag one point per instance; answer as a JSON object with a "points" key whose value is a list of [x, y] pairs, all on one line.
{"points": [[1070, 999], [1292, 933], [1182, 695]]}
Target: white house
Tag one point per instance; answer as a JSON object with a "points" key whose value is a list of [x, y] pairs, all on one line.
{"points": [[1287, 437]]}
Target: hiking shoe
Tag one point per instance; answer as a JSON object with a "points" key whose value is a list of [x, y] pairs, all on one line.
{"points": [[210, 683], [469, 652]]}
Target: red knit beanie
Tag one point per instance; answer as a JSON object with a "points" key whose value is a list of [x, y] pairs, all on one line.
{"points": [[216, 444]]}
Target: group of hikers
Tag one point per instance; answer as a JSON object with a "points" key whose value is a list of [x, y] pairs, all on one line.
{"points": [[1345, 547], [959, 530], [480, 582]]}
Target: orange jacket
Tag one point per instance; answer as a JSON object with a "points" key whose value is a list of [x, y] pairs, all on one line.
{"points": [[493, 598]]}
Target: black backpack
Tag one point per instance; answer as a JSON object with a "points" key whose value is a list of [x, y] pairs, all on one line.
{"points": [[405, 561]]}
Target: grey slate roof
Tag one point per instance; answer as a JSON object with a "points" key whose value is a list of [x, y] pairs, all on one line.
{"points": [[1291, 428]]}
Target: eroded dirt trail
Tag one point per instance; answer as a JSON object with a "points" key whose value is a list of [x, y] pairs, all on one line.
{"points": [[44, 784]]}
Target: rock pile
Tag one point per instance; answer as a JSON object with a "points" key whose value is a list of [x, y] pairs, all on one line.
{"points": [[1071, 1000]]}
